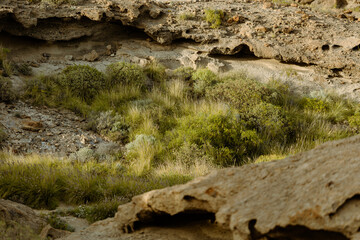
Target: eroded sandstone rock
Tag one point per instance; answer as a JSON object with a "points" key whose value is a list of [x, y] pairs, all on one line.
{"points": [[313, 195], [286, 31]]}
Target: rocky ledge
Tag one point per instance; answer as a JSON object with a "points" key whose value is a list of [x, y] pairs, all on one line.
{"points": [[313, 195], [292, 33]]}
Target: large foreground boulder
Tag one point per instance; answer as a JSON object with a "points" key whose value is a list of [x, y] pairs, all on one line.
{"points": [[21, 214], [313, 195]]}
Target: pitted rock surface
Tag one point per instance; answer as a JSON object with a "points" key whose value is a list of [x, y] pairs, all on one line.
{"points": [[313, 195], [293, 34]]}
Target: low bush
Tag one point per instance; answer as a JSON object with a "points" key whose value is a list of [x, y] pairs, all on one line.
{"points": [[82, 81], [220, 134], [126, 74], [57, 223], [203, 80], [6, 90]]}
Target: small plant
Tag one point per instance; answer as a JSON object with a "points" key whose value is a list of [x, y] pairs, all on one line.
{"points": [[140, 153], [186, 16], [82, 81], [214, 17], [6, 92], [23, 69], [3, 136], [112, 125], [203, 80], [57, 223], [125, 74], [6, 67], [98, 211]]}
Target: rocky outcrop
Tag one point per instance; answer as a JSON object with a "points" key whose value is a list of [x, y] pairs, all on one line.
{"points": [[313, 195], [292, 34], [20, 214]]}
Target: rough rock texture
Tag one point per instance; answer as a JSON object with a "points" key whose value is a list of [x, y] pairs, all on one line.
{"points": [[313, 195], [293, 34], [21, 214]]}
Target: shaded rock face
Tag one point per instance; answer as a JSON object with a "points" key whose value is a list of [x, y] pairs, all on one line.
{"points": [[290, 34], [21, 214], [313, 195]]}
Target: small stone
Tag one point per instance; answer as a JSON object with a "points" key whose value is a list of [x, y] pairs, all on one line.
{"points": [[108, 50], [267, 5], [261, 29], [91, 57], [30, 125], [69, 57]]}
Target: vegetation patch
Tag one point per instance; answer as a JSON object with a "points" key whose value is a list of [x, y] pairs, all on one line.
{"points": [[214, 17], [172, 128]]}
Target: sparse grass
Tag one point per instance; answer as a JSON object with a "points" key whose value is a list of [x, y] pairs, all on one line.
{"points": [[6, 66], [43, 182], [186, 16]]}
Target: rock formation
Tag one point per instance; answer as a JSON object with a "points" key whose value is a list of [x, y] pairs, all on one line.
{"points": [[313, 195], [21, 214], [292, 33]]}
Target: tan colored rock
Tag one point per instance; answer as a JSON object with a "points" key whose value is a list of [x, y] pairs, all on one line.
{"points": [[159, 20], [91, 57], [21, 214], [313, 195], [51, 233], [261, 29], [31, 125]]}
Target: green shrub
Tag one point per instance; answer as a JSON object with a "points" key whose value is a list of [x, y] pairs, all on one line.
{"points": [[214, 17], [241, 93], [354, 120], [222, 135], [203, 80], [57, 223], [314, 104], [111, 125], [98, 211], [6, 67], [269, 120], [82, 81], [125, 74], [6, 92]]}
